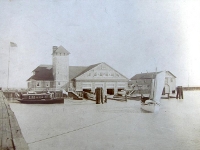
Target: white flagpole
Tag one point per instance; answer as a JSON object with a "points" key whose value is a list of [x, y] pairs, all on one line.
{"points": [[8, 67]]}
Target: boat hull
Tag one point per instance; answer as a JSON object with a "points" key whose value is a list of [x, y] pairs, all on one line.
{"points": [[150, 107], [43, 101]]}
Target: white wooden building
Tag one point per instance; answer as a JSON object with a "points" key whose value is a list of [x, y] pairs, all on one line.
{"points": [[60, 76], [144, 80]]}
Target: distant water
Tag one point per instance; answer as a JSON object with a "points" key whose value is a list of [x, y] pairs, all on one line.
{"points": [[83, 125]]}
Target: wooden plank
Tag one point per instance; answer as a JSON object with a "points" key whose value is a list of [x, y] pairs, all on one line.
{"points": [[20, 144], [11, 137], [7, 135], [1, 120], [1, 123]]}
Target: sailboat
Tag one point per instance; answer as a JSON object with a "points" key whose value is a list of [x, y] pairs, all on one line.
{"points": [[152, 103]]}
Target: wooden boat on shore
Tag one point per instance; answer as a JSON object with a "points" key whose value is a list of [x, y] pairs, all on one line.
{"points": [[43, 98], [152, 103], [42, 101]]}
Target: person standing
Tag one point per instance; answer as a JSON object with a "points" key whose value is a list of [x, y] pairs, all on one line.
{"points": [[105, 99]]}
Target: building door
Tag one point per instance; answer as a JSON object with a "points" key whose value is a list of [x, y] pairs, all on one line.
{"points": [[167, 89], [110, 91]]}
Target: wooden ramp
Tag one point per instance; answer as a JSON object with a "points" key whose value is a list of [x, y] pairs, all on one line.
{"points": [[11, 137]]}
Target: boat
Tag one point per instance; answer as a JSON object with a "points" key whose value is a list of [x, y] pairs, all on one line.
{"points": [[121, 93], [34, 98], [152, 103]]}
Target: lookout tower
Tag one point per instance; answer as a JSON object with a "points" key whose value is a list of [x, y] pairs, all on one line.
{"points": [[60, 59]]}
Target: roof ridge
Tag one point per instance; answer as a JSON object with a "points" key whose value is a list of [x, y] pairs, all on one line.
{"points": [[87, 69]]}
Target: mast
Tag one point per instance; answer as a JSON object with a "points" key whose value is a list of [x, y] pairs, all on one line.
{"points": [[8, 66], [155, 86]]}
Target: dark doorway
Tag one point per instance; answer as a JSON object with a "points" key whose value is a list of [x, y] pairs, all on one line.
{"points": [[87, 90], [120, 89], [110, 91]]}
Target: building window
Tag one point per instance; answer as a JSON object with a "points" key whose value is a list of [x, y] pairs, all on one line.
{"points": [[47, 83], [166, 80], [38, 84], [58, 83], [171, 79]]}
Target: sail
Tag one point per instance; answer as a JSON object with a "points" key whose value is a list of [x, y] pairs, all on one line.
{"points": [[152, 89], [159, 85]]}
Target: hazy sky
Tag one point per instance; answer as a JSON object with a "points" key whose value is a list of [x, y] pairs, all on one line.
{"points": [[132, 36]]}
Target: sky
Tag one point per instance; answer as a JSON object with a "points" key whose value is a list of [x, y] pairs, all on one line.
{"points": [[132, 36]]}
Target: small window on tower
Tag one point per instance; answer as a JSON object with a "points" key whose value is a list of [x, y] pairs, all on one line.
{"points": [[38, 84]]}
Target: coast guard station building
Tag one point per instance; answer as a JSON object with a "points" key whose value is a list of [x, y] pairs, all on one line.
{"points": [[60, 75]]}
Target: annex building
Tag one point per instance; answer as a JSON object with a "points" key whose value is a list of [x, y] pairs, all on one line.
{"points": [[143, 81], [60, 75]]}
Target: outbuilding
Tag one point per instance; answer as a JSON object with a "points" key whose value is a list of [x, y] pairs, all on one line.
{"points": [[144, 80]]}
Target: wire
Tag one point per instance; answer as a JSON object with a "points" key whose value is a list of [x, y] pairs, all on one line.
{"points": [[74, 130]]}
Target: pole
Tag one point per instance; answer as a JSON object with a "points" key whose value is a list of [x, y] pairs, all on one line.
{"points": [[8, 66]]}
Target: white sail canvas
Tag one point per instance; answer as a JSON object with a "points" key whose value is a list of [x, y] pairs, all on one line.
{"points": [[159, 85]]}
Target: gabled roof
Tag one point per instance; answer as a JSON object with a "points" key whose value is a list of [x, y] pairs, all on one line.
{"points": [[150, 75], [61, 49], [117, 71], [45, 72], [42, 72], [93, 66], [87, 69], [75, 70], [171, 74]]}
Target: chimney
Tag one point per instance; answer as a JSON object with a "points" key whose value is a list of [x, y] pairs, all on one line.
{"points": [[55, 48]]}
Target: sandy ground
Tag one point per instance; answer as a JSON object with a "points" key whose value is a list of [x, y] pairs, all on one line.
{"points": [[116, 125]]}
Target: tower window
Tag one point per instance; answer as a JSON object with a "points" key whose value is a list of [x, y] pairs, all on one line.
{"points": [[37, 84]]}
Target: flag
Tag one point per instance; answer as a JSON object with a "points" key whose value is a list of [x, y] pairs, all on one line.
{"points": [[12, 44]]}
